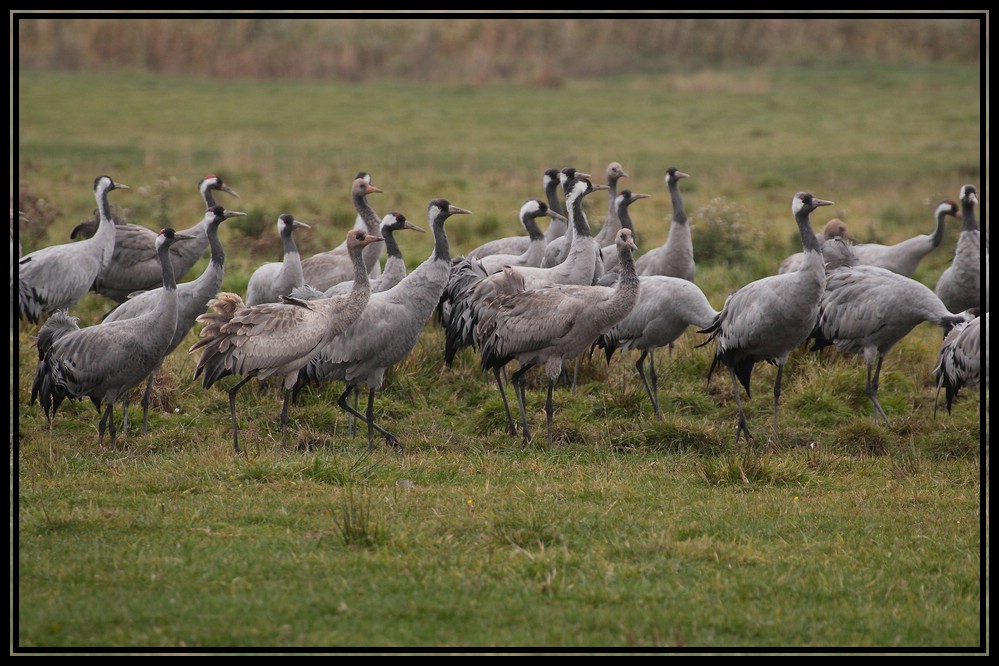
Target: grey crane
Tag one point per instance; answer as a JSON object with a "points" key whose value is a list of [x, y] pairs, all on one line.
{"points": [[105, 361], [361, 223], [676, 256], [395, 265], [58, 277], [548, 325], [868, 309], [470, 284], [612, 224], [277, 278], [835, 228], [960, 361], [767, 318], [388, 329], [134, 265], [622, 205], [325, 269], [960, 285], [904, 257], [279, 338], [192, 299], [557, 250], [532, 255], [516, 245], [666, 307]]}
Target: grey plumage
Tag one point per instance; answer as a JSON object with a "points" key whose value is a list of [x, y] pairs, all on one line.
{"points": [[960, 362], [612, 223], [835, 228], [960, 285], [666, 307], [395, 266], [767, 318], [548, 325], [676, 256], [904, 257], [58, 277], [325, 269], [278, 338], [471, 285], [105, 361], [134, 265], [388, 328], [277, 278], [192, 299], [868, 309]]}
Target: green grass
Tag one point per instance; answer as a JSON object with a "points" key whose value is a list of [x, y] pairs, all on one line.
{"points": [[627, 532]]}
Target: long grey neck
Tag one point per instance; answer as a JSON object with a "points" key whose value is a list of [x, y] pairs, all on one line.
{"points": [[289, 242], [442, 251], [612, 211], [367, 213], [938, 233], [169, 280], [679, 214], [808, 240], [577, 218], [391, 246], [533, 230], [361, 282], [968, 220], [216, 265], [209, 198], [625, 218], [551, 193]]}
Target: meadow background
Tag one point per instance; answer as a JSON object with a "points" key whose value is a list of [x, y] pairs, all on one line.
{"points": [[627, 533]]}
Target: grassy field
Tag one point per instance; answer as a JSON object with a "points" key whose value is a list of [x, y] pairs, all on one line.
{"points": [[628, 532]]}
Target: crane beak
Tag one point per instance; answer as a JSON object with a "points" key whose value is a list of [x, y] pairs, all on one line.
{"points": [[412, 227], [680, 174], [232, 213], [371, 189], [636, 196], [299, 225], [180, 237], [369, 239], [557, 216], [821, 202], [121, 186], [600, 187], [454, 210]]}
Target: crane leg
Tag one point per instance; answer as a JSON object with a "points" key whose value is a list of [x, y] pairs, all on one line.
{"points": [[655, 383], [517, 379], [780, 372], [550, 409], [640, 366], [741, 428], [342, 401], [872, 391], [102, 426], [232, 411], [511, 428], [352, 426], [145, 403]]}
